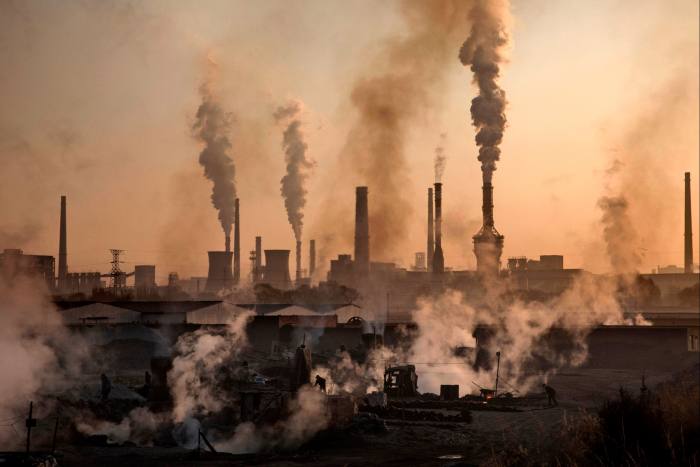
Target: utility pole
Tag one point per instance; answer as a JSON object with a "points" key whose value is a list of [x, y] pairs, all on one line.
{"points": [[498, 367], [55, 430], [30, 423]]}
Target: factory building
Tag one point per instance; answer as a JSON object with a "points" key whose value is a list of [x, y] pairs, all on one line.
{"points": [[14, 263]]}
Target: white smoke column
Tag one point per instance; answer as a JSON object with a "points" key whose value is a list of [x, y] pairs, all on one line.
{"points": [[211, 127], [619, 234], [308, 415], [293, 189], [201, 358], [483, 51], [37, 353], [440, 159], [139, 426]]}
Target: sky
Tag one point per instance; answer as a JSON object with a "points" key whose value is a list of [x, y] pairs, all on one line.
{"points": [[99, 97]]}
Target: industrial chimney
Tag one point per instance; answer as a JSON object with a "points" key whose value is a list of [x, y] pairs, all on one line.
{"points": [[312, 258], [237, 245], [688, 250], [62, 249], [219, 276], [297, 277], [488, 243], [361, 232], [438, 259], [431, 231], [257, 272]]}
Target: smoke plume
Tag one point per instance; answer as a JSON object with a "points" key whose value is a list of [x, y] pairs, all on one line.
{"points": [[483, 52], [204, 358], [211, 127], [619, 234], [293, 189], [440, 159], [391, 96]]}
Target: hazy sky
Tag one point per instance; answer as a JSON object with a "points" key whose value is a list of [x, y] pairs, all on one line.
{"points": [[98, 98]]}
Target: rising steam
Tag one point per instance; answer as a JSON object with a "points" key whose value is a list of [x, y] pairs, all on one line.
{"points": [[440, 159], [298, 165], [483, 52], [211, 128]]}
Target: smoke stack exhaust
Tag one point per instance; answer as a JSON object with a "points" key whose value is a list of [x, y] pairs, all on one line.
{"points": [[361, 231], [236, 244], [688, 235], [257, 273], [298, 260], [312, 258], [438, 259], [431, 231], [62, 249]]}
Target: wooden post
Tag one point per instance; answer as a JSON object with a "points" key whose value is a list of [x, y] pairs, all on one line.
{"points": [[30, 422], [498, 367], [55, 430]]}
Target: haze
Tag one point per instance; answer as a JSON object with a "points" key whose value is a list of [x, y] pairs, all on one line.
{"points": [[98, 99]]}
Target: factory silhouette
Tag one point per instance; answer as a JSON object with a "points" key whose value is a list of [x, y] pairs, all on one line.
{"points": [[386, 291]]}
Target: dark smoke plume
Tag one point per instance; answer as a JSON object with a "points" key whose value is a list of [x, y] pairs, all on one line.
{"points": [[211, 127], [294, 146], [440, 159], [483, 52], [391, 96]]}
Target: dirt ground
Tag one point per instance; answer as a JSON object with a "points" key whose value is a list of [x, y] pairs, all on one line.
{"points": [[414, 443]]}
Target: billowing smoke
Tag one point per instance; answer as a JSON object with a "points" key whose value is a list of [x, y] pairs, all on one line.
{"points": [[440, 159], [483, 52], [391, 96], [205, 358], [38, 355], [211, 127], [619, 234], [298, 164]]}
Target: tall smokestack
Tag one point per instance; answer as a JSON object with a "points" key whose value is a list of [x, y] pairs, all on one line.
{"points": [[431, 231], [257, 273], [438, 259], [361, 231], [62, 248], [688, 228], [298, 259], [236, 244], [488, 243], [312, 257]]}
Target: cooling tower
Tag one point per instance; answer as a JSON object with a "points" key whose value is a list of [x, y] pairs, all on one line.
{"points": [[144, 277], [220, 276], [276, 271], [62, 249], [688, 233], [438, 259], [361, 232], [237, 245], [431, 231], [488, 243]]}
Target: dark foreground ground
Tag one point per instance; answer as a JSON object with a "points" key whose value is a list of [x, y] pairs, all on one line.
{"points": [[533, 430]]}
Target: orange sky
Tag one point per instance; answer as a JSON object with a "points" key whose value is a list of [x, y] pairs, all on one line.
{"points": [[98, 98]]}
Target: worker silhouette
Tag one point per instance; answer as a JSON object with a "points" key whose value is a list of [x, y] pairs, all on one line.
{"points": [[321, 383], [106, 386], [551, 395]]}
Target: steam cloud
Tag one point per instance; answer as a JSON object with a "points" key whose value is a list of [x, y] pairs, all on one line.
{"points": [[298, 165], [211, 127], [483, 52], [440, 159]]}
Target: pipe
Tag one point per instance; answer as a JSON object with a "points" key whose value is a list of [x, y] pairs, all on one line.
{"points": [[688, 234], [297, 278], [361, 231], [431, 232], [237, 245], [438, 258], [62, 248]]}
